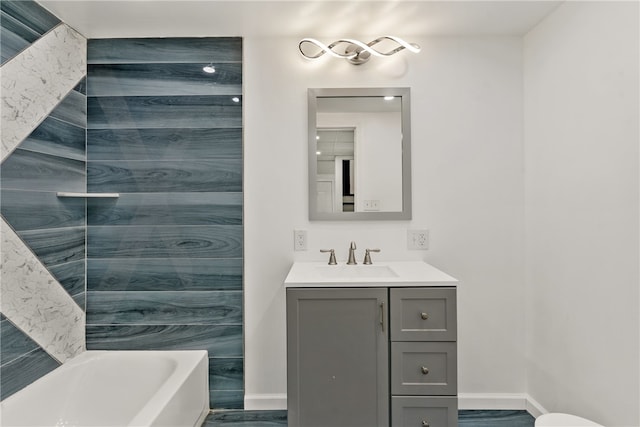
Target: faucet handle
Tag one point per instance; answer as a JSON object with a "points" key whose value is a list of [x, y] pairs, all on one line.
{"points": [[367, 256], [332, 256]]}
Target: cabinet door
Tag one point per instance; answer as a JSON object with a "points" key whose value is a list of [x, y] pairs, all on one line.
{"points": [[337, 350], [423, 314]]}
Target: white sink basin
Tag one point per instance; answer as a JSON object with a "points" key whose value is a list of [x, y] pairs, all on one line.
{"points": [[353, 271]]}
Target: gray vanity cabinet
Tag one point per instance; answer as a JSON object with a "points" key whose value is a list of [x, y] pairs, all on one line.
{"points": [[337, 357], [372, 356]]}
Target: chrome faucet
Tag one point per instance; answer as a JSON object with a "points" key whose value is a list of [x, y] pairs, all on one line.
{"points": [[352, 255]]}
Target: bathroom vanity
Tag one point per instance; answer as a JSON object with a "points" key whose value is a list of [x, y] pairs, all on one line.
{"points": [[371, 345]]}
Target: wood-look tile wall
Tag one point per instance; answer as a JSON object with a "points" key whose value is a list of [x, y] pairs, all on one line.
{"points": [[164, 261]]}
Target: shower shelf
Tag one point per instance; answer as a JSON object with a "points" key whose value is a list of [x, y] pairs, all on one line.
{"points": [[89, 195]]}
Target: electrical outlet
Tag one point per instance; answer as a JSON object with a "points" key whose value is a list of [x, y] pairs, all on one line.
{"points": [[372, 205], [300, 240], [418, 239]]}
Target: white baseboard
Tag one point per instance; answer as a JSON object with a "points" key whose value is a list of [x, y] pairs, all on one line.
{"points": [[535, 408], [265, 402], [496, 401], [486, 401], [492, 401]]}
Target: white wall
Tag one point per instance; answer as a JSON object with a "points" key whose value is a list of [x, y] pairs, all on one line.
{"points": [[468, 190], [581, 151]]}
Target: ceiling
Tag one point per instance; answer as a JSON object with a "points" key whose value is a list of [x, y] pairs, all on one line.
{"points": [[291, 18]]}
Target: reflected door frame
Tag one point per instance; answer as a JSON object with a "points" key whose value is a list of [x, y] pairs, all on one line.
{"points": [[337, 190]]}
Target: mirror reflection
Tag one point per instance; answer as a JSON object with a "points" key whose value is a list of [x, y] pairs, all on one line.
{"points": [[335, 176], [359, 154]]}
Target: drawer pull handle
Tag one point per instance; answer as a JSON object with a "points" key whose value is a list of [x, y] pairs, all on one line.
{"points": [[425, 423], [424, 316], [424, 370]]}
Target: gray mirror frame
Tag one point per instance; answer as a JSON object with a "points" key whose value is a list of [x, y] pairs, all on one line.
{"points": [[315, 93]]}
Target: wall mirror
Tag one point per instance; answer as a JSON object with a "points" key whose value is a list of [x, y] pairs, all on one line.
{"points": [[359, 154]]}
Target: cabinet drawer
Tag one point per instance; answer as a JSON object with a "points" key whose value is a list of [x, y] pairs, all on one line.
{"points": [[414, 411], [423, 314], [423, 368]]}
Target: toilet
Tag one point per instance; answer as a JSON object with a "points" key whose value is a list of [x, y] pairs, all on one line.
{"points": [[563, 420]]}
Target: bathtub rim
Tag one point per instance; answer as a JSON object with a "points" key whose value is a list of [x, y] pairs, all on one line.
{"points": [[150, 411], [165, 393]]}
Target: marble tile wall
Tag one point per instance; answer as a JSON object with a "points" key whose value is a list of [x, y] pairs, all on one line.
{"points": [[164, 261], [42, 151]]}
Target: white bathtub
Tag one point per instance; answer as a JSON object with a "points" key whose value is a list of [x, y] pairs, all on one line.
{"points": [[116, 389]]}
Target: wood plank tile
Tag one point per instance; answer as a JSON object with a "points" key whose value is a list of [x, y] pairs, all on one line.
{"points": [[186, 49], [26, 170], [56, 245], [214, 175], [164, 79], [57, 138], [31, 14], [161, 308], [219, 341], [30, 210], [163, 112], [71, 276], [72, 109], [223, 241], [21, 372], [15, 343], [164, 274], [164, 144], [167, 209]]}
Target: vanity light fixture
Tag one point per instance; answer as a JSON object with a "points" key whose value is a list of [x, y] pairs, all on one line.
{"points": [[209, 68], [354, 51]]}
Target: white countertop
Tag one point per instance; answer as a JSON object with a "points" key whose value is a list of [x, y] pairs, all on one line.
{"points": [[383, 274]]}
